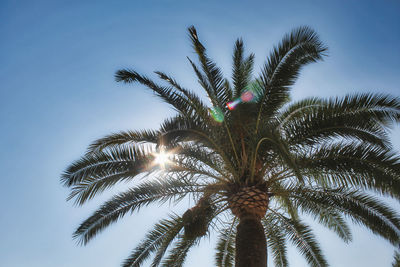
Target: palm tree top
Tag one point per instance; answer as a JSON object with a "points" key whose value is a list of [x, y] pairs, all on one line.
{"points": [[250, 156]]}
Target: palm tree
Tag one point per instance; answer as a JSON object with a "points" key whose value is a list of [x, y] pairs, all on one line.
{"points": [[254, 171]]}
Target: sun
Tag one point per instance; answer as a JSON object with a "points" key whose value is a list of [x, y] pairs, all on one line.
{"points": [[162, 158]]}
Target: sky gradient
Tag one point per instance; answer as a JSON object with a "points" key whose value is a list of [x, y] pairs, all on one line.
{"points": [[58, 94]]}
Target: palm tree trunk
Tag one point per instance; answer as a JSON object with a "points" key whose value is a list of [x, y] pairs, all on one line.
{"points": [[251, 245]]}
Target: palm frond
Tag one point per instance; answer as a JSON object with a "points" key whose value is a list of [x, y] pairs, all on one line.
{"points": [[303, 238], [357, 165], [225, 255], [219, 93], [180, 129], [329, 216], [178, 253], [169, 94], [203, 159], [335, 222], [192, 99], [272, 143], [97, 171], [159, 237], [242, 68], [132, 200], [383, 108], [302, 46], [297, 110], [362, 117], [124, 137], [276, 241], [361, 208], [202, 79], [162, 248]]}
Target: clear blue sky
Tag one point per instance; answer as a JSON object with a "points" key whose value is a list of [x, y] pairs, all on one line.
{"points": [[58, 94]]}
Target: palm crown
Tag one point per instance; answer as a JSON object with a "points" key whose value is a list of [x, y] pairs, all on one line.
{"points": [[253, 170]]}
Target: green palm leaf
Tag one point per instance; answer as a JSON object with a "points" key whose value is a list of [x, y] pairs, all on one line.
{"points": [[242, 68], [300, 47], [158, 239], [303, 238], [218, 92], [360, 166], [178, 253], [132, 200], [276, 241], [225, 255], [122, 138], [361, 208]]}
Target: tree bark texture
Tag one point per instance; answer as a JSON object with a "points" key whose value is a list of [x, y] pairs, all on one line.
{"points": [[251, 245]]}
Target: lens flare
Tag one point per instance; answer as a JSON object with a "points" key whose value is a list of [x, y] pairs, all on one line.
{"points": [[217, 114], [257, 90], [162, 158], [247, 96], [232, 105]]}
